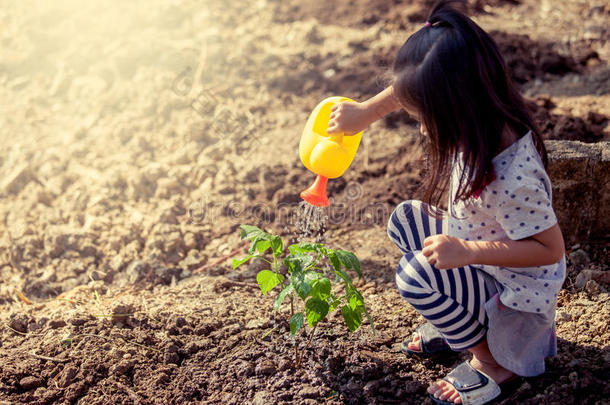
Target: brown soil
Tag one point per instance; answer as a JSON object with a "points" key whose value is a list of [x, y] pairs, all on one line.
{"points": [[136, 138]]}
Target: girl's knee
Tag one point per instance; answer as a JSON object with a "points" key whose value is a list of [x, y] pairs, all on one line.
{"points": [[411, 276], [398, 224]]}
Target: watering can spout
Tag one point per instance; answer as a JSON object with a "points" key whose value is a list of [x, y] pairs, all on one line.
{"points": [[316, 193], [328, 156]]}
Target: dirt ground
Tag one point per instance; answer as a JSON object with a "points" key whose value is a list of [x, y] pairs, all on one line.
{"points": [[136, 137]]}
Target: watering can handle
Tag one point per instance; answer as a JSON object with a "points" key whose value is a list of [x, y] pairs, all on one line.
{"points": [[338, 138]]}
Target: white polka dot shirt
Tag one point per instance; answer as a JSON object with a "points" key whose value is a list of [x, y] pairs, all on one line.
{"points": [[517, 204]]}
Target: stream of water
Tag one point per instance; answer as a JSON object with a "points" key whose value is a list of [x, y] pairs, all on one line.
{"points": [[310, 222]]}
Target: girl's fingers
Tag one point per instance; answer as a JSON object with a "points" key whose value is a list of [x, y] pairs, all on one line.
{"points": [[427, 252], [428, 241], [332, 129]]}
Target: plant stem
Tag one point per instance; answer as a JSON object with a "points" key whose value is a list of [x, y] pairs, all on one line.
{"points": [[311, 334], [277, 271]]}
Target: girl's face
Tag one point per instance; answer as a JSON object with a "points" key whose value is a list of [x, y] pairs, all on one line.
{"points": [[414, 114]]}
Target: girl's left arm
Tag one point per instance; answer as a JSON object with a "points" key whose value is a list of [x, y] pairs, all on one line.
{"points": [[544, 248]]}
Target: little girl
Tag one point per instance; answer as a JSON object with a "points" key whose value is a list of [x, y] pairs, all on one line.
{"points": [[484, 274]]}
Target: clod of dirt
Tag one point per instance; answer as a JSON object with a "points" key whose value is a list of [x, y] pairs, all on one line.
{"points": [[579, 259], [123, 367], [67, 376], [266, 367], [528, 59], [19, 322], [31, 382], [564, 127], [56, 323], [600, 276]]}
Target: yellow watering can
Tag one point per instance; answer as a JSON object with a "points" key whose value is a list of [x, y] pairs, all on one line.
{"points": [[326, 155]]}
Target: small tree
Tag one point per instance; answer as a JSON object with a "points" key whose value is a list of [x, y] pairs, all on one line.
{"points": [[311, 267]]}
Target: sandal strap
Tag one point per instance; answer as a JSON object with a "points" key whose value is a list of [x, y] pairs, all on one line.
{"points": [[431, 340], [474, 386]]}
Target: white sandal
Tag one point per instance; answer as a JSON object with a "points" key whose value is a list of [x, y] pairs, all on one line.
{"points": [[475, 387]]}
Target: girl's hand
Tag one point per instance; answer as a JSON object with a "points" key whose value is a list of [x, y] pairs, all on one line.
{"points": [[349, 118], [447, 252]]}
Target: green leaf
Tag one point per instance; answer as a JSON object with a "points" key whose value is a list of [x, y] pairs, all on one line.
{"points": [[259, 244], [267, 280], [305, 247], [354, 302], [349, 261], [341, 274], [280, 298], [334, 260], [352, 318], [320, 288], [239, 262], [300, 284], [334, 303], [316, 310], [251, 232], [298, 262], [296, 323], [277, 246]]}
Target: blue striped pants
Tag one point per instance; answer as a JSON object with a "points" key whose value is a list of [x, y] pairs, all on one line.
{"points": [[452, 300]]}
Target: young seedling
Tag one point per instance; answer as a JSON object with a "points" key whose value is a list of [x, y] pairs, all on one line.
{"points": [[310, 268]]}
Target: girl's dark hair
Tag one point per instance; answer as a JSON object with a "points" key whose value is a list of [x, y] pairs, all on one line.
{"points": [[452, 74]]}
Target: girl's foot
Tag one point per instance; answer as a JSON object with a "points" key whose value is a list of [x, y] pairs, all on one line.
{"points": [[445, 391], [414, 344]]}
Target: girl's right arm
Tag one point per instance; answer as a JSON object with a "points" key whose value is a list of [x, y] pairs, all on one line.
{"points": [[352, 118]]}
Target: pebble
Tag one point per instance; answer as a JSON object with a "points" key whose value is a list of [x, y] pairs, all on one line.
{"points": [[122, 367], [31, 382], [562, 316], [308, 392], [19, 322], [579, 259], [255, 324], [67, 376], [266, 367]]}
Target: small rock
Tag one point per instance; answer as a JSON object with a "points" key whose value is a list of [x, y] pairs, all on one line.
{"points": [[600, 276], [309, 392], [192, 347], [255, 324], [19, 322], [262, 398], [121, 312], [31, 382], [171, 354], [79, 320], [592, 287], [67, 376], [579, 259], [562, 316], [266, 367], [123, 367], [57, 323]]}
